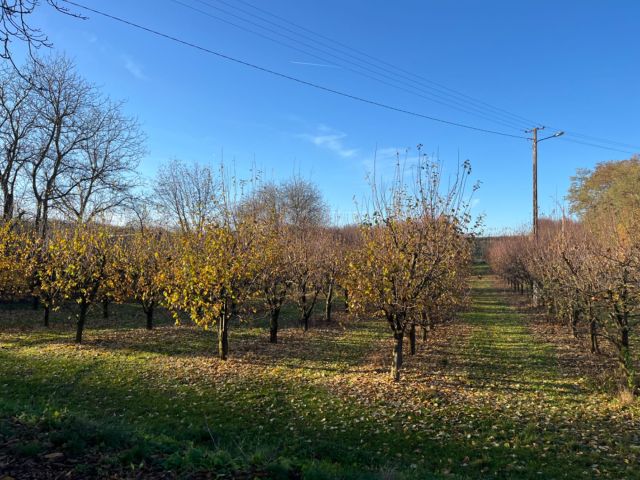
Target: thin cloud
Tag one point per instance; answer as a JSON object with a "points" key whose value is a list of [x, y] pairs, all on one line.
{"points": [[331, 140], [133, 68]]}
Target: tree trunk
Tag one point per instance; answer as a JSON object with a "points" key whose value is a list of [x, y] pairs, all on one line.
{"points": [[412, 339], [535, 294], [426, 325], [149, 312], [36, 221], [327, 305], [273, 324], [84, 306], [306, 309], [625, 358], [305, 320], [346, 300], [397, 356], [574, 322], [105, 308], [594, 338], [223, 335], [47, 311], [7, 209], [44, 220], [624, 337]]}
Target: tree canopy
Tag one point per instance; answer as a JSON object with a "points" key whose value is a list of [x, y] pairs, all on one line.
{"points": [[610, 189]]}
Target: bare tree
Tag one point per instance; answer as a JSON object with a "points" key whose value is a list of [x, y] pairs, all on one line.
{"points": [[15, 26], [104, 178], [71, 147], [264, 203], [302, 203], [17, 125], [187, 194], [295, 202], [67, 109]]}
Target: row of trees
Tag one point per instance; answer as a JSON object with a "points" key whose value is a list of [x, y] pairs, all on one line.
{"points": [[586, 273], [407, 260]]}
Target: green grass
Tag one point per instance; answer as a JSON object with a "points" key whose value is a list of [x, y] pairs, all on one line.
{"points": [[483, 398]]}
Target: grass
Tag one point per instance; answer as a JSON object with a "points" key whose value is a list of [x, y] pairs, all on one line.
{"points": [[483, 398]]}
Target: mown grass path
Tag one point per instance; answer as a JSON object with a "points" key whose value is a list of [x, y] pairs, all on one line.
{"points": [[484, 397], [537, 419]]}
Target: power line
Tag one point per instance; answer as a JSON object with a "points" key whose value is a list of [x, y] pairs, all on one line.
{"points": [[348, 65], [289, 77], [396, 72], [408, 74], [572, 140], [602, 140], [609, 144]]}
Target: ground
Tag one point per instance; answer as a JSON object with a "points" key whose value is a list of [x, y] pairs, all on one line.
{"points": [[491, 395]]}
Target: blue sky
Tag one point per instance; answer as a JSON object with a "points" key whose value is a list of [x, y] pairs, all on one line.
{"points": [[573, 65]]}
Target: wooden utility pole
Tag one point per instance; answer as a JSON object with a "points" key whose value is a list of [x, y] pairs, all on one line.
{"points": [[534, 138], [535, 141]]}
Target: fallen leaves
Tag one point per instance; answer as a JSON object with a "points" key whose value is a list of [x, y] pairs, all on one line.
{"points": [[486, 394]]}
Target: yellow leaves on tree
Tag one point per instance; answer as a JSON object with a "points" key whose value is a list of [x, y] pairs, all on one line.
{"points": [[14, 247], [213, 276], [79, 263], [412, 259], [144, 264]]}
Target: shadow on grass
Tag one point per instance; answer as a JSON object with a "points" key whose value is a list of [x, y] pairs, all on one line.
{"points": [[164, 389], [329, 347], [178, 426]]}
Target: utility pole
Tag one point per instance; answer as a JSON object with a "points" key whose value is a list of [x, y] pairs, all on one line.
{"points": [[534, 139]]}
